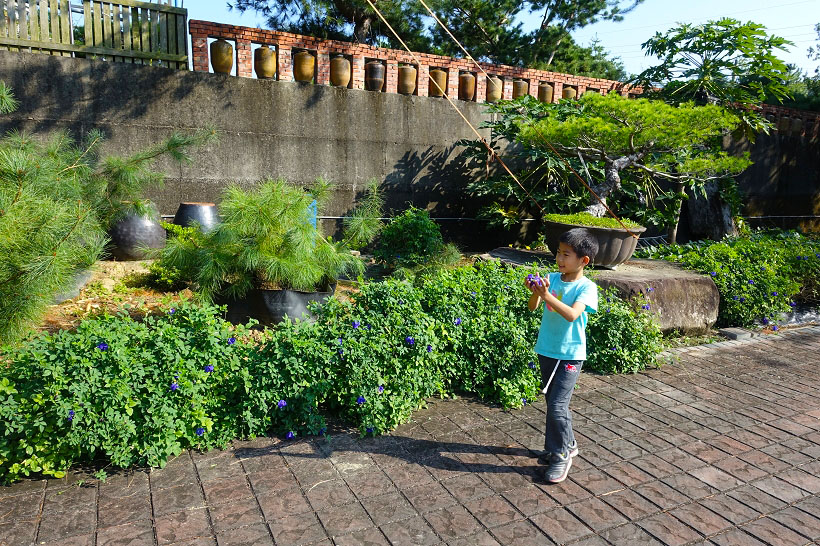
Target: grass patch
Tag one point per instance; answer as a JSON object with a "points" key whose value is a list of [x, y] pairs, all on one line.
{"points": [[586, 219]]}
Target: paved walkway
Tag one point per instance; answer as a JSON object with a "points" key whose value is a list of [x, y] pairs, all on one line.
{"points": [[720, 447]]}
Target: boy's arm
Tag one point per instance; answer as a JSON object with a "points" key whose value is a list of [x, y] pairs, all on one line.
{"points": [[535, 301], [570, 313]]}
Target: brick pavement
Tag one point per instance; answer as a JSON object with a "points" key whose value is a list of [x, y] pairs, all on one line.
{"points": [[720, 446]]}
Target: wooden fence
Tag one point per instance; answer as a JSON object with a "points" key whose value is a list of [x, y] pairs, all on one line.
{"points": [[122, 31]]}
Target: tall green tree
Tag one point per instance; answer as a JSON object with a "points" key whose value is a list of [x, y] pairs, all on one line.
{"points": [[638, 136], [722, 62]]}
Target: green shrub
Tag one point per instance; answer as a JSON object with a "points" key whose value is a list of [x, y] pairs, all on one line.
{"points": [[758, 277], [134, 392], [586, 219], [410, 239], [622, 336]]}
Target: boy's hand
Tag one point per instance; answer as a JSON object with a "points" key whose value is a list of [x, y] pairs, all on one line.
{"points": [[537, 284]]}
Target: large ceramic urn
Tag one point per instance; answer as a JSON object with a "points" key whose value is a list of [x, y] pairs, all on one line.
{"points": [[133, 236], [438, 83], [202, 214], [520, 88], [466, 86], [339, 71], [264, 62], [569, 92], [495, 89], [303, 66], [221, 56], [545, 92], [374, 76], [407, 80]]}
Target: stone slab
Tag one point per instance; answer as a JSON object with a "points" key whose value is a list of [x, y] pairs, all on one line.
{"points": [[681, 300], [736, 333]]}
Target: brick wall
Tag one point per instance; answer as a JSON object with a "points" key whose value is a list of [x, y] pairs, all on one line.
{"points": [[285, 43]]}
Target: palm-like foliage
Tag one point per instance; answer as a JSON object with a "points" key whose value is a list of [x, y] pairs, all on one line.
{"points": [[265, 240]]}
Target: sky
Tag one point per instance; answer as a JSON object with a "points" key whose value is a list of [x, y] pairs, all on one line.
{"points": [[790, 19]]}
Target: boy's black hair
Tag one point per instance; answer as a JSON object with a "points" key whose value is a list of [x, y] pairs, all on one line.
{"points": [[581, 241]]}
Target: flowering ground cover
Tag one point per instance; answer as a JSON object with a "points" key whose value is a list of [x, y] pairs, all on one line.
{"points": [[130, 391]]}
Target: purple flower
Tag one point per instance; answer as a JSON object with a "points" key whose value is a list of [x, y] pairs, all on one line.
{"points": [[360, 400], [200, 431], [289, 435], [340, 341], [764, 321], [645, 306], [531, 365], [281, 404], [751, 282], [429, 348], [607, 309], [524, 401], [792, 304], [102, 346], [742, 299], [409, 340], [341, 351], [650, 289], [231, 340], [401, 302], [609, 300], [70, 415], [612, 348], [171, 311], [370, 430], [174, 386], [457, 321], [209, 368], [774, 293], [381, 389], [322, 431], [368, 326], [713, 273], [356, 324], [762, 268], [472, 294], [735, 298], [775, 328]]}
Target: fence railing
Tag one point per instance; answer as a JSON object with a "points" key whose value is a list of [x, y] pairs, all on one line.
{"points": [[122, 31]]}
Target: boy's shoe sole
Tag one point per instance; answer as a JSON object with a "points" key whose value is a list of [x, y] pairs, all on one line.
{"points": [[562, 477]]}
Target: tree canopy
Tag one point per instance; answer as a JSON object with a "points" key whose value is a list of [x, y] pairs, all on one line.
{"points": [[489, 30], [724, 62]]}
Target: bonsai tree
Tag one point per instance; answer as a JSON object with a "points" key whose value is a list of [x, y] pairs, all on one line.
{"points": [[265, 240], [646, 138]]}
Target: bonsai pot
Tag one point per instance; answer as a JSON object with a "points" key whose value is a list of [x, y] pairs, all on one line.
{"points": [[303, 66], [272, 306], [202, 213], [495, 88], [133, 235], [374, 76], [72, 289], [221, 56], [264, 62], [339, 71], [615, 246]]}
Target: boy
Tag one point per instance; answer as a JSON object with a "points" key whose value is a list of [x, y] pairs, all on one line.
{"points": [[568, 296]]}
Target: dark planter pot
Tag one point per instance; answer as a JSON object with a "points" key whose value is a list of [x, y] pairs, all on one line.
{"points": [[271, 306], [374, 76], [615, 246], [133, 235], [202, 213], [71, 291]]}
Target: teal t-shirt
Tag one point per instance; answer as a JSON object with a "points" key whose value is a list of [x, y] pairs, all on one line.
{"points": [[557, 337]]}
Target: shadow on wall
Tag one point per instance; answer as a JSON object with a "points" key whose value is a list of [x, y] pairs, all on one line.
{"points": [[51, 90]]}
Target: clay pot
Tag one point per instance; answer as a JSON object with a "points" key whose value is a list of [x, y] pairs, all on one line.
{"points": [[545, 92], [520, 88], [569, 93], [221, 56], [132, 236], [339, 71], [203, 214], [374, 76], [407, 80], [466, 86], [615, 245], [303, 66], [264, 62], [438, 76], [495, 89]]}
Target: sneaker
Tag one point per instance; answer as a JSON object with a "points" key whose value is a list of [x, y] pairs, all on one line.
{"points": [[559, 468], [545, 458]]}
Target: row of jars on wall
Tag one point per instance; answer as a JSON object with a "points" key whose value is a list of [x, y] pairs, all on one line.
{"points": [[304, 68]]}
